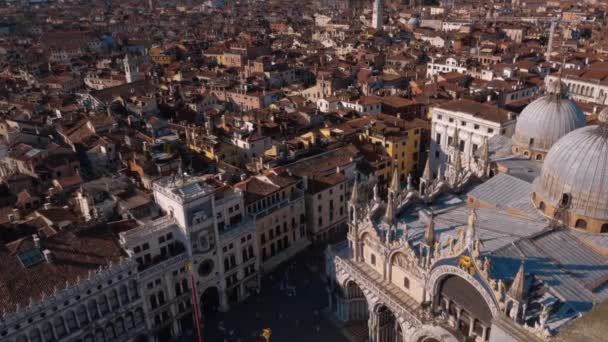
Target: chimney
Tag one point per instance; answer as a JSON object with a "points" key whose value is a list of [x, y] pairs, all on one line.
{"points": [[48, 256], [36, 239], [47, 205], [16, 214]]}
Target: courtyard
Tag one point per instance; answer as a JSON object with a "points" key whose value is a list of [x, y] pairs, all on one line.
{"points": [[292, 304]]}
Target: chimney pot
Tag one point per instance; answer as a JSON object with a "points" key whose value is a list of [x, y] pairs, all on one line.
{"points": [[48, 256], [36, 239]]}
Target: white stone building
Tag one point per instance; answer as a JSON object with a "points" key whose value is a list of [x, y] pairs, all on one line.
{"points": [[133, 282], [466, 125]]}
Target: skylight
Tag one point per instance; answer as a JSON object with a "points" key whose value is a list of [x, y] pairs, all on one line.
{"points": [[30, 257]]}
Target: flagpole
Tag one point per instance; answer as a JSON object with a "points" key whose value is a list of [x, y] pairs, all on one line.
{"points": [[195, 305]]}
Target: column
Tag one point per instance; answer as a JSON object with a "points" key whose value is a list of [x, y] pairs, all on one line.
{"points": [[484, 334], [224, 306], [371, 324], [472, 324]]}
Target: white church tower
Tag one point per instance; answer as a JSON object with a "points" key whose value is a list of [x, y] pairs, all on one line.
{"points": [[378, 14], [131, 69]]}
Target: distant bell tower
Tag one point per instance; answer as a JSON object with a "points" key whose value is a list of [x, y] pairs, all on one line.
{"points": [[378, 14], [131, 69]]}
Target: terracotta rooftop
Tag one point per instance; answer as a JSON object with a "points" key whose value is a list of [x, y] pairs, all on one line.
{"points": [[75, 254]]}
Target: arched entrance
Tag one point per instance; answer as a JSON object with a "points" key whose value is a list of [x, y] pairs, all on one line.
{"points": [[466, 308], [383, 325], [428, 339], [351, 307], [210, 301], [141, 338]]}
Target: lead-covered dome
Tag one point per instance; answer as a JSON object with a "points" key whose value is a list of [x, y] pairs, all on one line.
{"points": [[574, 178], [544, 121]]}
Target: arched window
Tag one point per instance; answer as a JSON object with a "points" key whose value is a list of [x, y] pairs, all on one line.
{"points": [[161, 297], [373, 259], [565, 201], [526, 153], [153, 302], [581, 224], [47, 332], [59, 327], [99, 336], [539, 157], [250, 251], [88, 338], [70, 319], [133, 289], [104, 308], [124, 294], [120, 326], [81, 312], [35, 335], [178, 289], [184, 285], [114, 300], [541, 206], [93, 311], [129, 320], [604, 228], [406, 283], [110, 332], [139, 316]]}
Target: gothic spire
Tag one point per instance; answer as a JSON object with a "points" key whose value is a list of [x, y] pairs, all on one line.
{"points": [[426, 175], [518, 287], [354, 197], [429, 233], [389, 214], [394, 188]]}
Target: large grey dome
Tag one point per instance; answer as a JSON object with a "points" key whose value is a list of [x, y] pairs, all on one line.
{"points": [[543, 122], [576, 171]]}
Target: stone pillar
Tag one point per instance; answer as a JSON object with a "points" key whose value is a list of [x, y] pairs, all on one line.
{"points": [[484, 334], [372, 326], [224, 306], [471, 326]]}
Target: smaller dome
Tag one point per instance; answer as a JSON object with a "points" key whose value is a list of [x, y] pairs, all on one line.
{"points": [[544, 121], [575, 173]]}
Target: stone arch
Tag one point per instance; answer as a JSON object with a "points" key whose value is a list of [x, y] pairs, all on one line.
{"points": [[440, 273], [604, 228], [210, 300], [385, 324], [541, 206], [392, 260], [430, 333], [580, 224], [366, 294]]}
